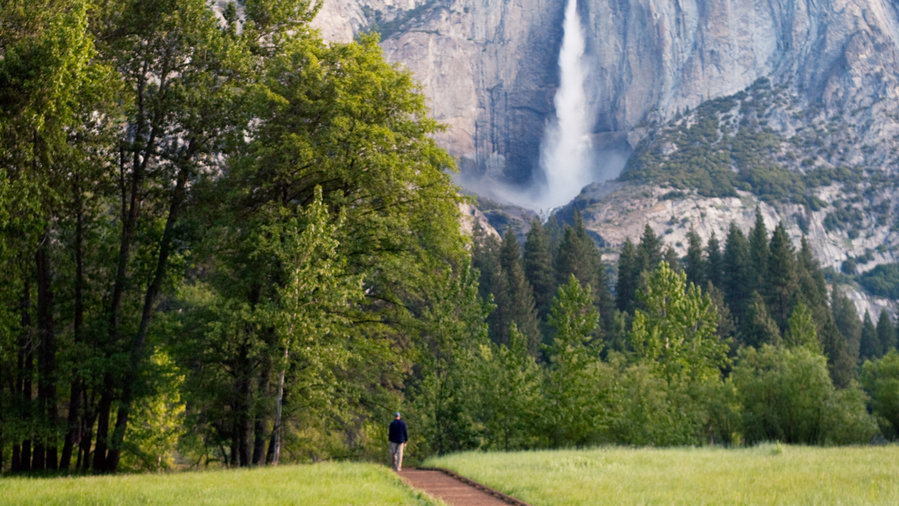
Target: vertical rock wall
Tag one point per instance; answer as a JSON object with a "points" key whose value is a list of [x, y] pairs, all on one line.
{"points": [[489, 67]]}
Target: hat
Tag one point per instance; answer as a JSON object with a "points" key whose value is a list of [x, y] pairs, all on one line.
{"points": [[396, 415]]}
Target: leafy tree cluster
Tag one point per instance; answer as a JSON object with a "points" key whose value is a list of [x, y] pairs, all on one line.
{"points": [[522, 281], [224, 241], [739, 342]]}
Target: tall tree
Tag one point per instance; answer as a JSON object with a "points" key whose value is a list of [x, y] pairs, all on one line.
{"points": [[714, 263], [758, 252], [50, 86], [801, 330], [340, 118], [578, 256], [780, 280], [173, 57], [735, 281], [310, 315], [694, 266], [572, 374], [649, 250], [758, 327], [840, 360], [515, 298], [628, 278], [675, 331], [886, 333], [538, 267], [869, 344]]}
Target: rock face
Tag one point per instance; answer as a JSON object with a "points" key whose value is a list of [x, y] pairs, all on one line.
{"points": [[828, 110], [489, 67]]}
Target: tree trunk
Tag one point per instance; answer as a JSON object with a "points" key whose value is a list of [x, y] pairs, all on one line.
{"points": [[45, 456], [140, 339], [279, 402], [25, 361], [73, 425], [259, 432], [103, 413], [88, 417]]}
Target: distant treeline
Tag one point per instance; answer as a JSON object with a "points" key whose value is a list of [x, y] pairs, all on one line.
{"points": [[735, 343]]}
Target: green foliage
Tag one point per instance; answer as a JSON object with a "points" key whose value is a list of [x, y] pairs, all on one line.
{"points": [[882, 280], [445, 391], [573, 413], [880, 379], [153, 442], [514, 297], [801, 330], [510, 380], [723, 146], [675, 333], [786, 395], [538, 267]]}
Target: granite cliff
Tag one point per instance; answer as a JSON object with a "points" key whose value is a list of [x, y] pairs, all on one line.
{"points": [[720, 105]]}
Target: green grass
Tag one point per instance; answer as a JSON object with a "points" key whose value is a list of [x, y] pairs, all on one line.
{"points": [[768, 474], [328, 483]]}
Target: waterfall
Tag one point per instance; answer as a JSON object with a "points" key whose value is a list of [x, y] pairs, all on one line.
{"points": [[565, 150]]}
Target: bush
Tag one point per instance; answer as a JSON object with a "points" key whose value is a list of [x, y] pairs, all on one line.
{"points": [[787, 395], [880, 379]]}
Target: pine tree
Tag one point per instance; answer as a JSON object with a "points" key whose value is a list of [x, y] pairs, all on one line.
{"points": [[757, 327], [515, 298], [735, 279], [847, 321], [649, 251], [886, 333], [812, 286], [758, 252], [713, 261], [538, 267], [579, 256], [694, 265], [571, 376], [670, 257], [841, 340], [840, 363], [628, 278], [485, 258], [781, 284], [869, 344], [674, 331], [801, 330]]}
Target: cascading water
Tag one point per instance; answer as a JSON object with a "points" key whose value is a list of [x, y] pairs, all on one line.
{"points": [[565, 150]]}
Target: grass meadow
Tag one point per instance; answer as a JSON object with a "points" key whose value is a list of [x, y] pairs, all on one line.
{"points": [[767, 474], [318, 484]]}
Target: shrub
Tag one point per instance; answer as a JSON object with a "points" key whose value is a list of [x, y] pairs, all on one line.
{"points": [[880, 379], [787, 395]]}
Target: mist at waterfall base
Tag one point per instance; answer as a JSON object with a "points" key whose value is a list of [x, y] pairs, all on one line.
{"points": [[569, 159]]}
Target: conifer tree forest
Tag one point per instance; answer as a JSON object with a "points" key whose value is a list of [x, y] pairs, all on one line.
{"points": [[227, 243]]}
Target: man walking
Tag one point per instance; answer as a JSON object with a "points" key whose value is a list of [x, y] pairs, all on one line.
{"points": [[398, 437]]}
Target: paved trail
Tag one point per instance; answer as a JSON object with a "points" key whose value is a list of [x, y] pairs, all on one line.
{"points": [[454, 489]]}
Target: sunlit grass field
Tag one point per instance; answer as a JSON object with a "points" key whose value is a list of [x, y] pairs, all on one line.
{"points": [[768, 474], [327, 483]]}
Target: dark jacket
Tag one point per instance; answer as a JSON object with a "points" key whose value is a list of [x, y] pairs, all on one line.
{"points": [[397, 432]]}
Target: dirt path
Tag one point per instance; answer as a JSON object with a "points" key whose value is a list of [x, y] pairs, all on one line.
{"points": [[454, 489]]}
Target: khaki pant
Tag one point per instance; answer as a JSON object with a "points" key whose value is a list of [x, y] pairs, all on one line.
{"points": [[396, 455]]}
